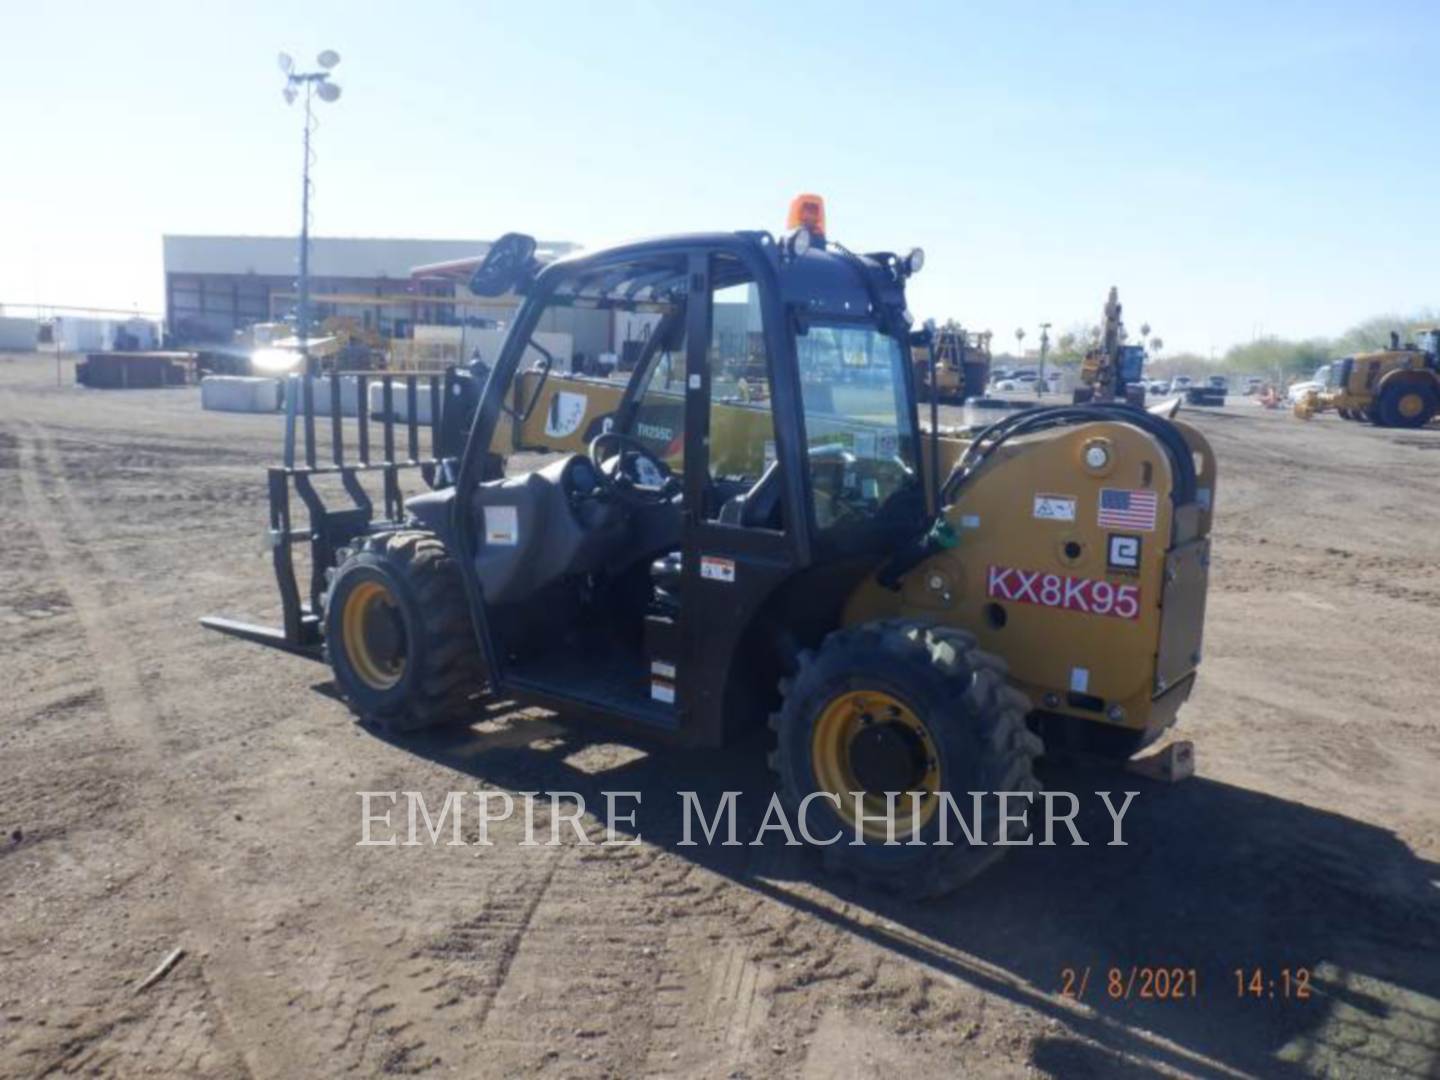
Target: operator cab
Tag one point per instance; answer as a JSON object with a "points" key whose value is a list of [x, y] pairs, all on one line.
{"points": [[1428, 340], [765, 437]]}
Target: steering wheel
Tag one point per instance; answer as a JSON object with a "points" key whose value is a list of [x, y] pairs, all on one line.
{"points": [[638, 473], [839, 478]]}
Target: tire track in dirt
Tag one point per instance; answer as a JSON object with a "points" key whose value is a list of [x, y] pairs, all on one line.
{"points": [[352, 1009], [400, 1022], [56, 515]]}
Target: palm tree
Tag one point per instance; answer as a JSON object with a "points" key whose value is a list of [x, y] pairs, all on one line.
{"points": [[1156, 344], [1144, 331], [1020, 341]]}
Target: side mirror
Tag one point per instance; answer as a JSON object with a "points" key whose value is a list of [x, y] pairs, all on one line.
{"points": [[509, 266]]}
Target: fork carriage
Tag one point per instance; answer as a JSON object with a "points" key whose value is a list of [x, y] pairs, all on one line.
{"points": [[429, 447]]}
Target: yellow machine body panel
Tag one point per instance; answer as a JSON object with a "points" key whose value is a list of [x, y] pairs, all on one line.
{"points": [[1370, 371], [572, 409], [1072, 572], [568, 413]]}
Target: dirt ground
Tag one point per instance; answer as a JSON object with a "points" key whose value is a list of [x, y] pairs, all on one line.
{"points": [[165, 787]]}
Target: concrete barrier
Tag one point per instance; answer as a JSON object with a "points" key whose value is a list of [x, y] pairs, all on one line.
{"points": [[400, 402], [349, 395], [239, 393]]}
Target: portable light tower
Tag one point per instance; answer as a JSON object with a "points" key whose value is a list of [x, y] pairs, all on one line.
{"points": [[315, 84]]}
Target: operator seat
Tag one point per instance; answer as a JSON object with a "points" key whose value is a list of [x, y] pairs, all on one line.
{"points": [[757, 507]]}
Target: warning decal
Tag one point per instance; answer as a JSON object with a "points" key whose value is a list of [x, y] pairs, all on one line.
{"points": [[1090, 596], [1055, 507], [502, 526], [714, 568]]}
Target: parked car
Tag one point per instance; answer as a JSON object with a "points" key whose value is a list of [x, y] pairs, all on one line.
{"points": [[1253, 383], [1158, 386], [1181, 382]]}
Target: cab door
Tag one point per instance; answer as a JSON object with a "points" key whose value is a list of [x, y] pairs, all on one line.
{"points": [[745, 532]]}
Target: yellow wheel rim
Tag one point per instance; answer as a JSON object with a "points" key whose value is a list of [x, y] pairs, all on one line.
{"points": [[1411, 406], [374, 637], [860, 725]]}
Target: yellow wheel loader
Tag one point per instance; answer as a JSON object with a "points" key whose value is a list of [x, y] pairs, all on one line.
{"points": [[1398, 387], [915, 618]]}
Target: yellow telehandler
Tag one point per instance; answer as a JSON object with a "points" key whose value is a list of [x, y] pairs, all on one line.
{"points": [[915, 616]]}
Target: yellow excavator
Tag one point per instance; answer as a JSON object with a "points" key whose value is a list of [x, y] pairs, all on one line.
{"points": [[1112, 370]]}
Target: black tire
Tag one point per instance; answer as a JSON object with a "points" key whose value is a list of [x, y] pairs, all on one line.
{"points": [[974, 725], [405, 590], [1398, 407]]}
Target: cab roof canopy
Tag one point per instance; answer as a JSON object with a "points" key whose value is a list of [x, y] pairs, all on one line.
{"points": [[826, 281]]}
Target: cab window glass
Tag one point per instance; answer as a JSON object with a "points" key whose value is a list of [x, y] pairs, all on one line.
{"points": [[742, 426], [544, 411], [660, 411], [859, 439]]}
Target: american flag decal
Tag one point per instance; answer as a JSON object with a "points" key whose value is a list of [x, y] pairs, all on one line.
{"points": [[1120, 509]]}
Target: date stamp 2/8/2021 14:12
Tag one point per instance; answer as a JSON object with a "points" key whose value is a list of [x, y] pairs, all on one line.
{"points": [[1147, 982]]}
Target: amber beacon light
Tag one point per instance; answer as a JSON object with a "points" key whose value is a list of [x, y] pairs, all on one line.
{"points": [[807, 212]]}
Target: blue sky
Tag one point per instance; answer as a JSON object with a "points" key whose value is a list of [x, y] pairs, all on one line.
{"points": [[1236, 168]]}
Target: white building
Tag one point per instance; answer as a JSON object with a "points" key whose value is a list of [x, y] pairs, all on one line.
{"points": [[216, 285], [18, 333], [75, 333]]}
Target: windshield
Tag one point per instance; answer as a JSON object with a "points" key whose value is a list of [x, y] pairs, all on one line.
{"points": [[859, 428]]}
